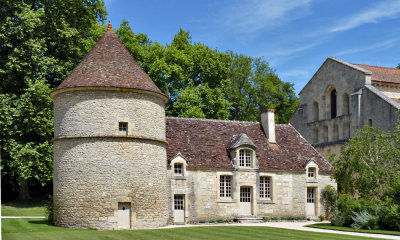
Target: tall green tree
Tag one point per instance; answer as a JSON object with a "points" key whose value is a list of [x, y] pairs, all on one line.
{"points": [[370, 164], [40, 43]]}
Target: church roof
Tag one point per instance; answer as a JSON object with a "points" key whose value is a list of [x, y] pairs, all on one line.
{"points": [[382, 74], [109, 64], [205, 144]]}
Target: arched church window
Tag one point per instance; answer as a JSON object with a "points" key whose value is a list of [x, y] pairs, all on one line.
{"points": [[333, 104], [315, 111]]}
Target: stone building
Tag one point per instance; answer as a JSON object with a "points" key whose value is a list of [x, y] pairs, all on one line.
{"points": [[341, 98], [120, 163]]}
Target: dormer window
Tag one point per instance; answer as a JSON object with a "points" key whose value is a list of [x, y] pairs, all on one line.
{"points": [[244, 158], [178, 169], [312, 172]]}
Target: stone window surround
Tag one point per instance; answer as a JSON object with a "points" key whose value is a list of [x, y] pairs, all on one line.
{"points": [[314, 166], [179, 160], [267, 190], [233, 189], [272, 188], [252, 158]]}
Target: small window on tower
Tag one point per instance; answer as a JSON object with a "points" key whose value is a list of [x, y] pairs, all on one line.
{"points": [[123, 127]]}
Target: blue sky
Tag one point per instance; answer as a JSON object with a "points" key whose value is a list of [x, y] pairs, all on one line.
{"points": [[294, 36]]}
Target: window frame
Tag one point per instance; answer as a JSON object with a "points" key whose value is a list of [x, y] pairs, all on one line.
{"points": [[225, 190], [246, 158], [313, 172], [178, 171], [123, 127], [265, 188]]}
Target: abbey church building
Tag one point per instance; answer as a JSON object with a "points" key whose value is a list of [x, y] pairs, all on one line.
{"points": [[120, 163]]}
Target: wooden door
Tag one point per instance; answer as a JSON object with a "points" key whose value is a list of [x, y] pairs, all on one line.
{"points": [[179, 208], [310, 205], [245, 201]]}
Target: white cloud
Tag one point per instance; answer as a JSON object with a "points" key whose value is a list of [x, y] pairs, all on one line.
{"points": [[250, 16], [379, 45], [381, 11]]}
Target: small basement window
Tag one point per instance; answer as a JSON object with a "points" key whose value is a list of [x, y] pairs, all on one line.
{"points": [[178, 169], [123, 127]]}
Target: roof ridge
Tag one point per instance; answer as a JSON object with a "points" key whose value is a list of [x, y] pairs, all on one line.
{"points": [[393, 68], [212, 120]]}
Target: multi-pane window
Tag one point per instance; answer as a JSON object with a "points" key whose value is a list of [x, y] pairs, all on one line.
{"points": [[244, 158], [245, 194], [178, 168], [310, 195], [123, 127], [312, 172], [178, 202], [225, 187], [265, 187]]}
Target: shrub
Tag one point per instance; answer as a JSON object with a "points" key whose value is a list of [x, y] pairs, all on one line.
{"points": [[337, 220], [220, 220], [283, 218], [228, 220], [321, 217], [346, 207], [390, 217], [329, 200], [299, 218], [202, 221], [274, 218], [290, 218], [266, 219], [49, 210], [364, 220], [211, 221]]}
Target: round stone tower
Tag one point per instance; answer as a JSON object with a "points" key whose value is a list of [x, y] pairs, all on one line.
{"points": [[110, 167]]}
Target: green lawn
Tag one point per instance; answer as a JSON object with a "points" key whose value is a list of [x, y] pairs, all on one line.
{"points": [[35, 207], [348, 229], [39, 229]]}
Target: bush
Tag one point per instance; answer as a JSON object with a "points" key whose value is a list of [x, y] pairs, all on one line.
{"points": [[390, 217], [283, 219], [364, 220], [274, 218], [211, 221], [346, 207], [321, 217], [228, 220], [299, 218], [220, 221], [329, 201], [266, 219], [202, 221], [337, 220], [49, 210], [290, 218]]}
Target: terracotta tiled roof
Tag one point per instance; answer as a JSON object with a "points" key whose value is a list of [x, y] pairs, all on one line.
{"points": [[382, 74], [205, 143], [109, 64]]}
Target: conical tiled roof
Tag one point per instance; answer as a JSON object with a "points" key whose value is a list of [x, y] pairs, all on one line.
{"points": [[109, 64]]}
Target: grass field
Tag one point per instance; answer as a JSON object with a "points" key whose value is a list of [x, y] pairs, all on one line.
{"points": [[34, 207], [348, 229], [39, 229]]}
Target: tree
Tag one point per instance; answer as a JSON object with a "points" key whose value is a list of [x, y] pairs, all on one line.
{"points": [[40, 43], [369, 164]]}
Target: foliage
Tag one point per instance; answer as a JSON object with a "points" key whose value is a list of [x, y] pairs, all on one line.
{"points": [[202, 221], [50, 209], [274, 218], [220, 220], [364, 220], [369, 164], [329, 200], [40, 43], [348, 229], [321, 217], [206, 83], [338, 220], [266, 219], [389, 217], [211, 221]]}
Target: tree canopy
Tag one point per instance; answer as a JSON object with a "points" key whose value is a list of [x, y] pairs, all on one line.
{"points": [[40, 43]]}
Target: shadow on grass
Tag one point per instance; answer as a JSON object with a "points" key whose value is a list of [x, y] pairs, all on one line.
{"points": [[42, 222], [38, 202]]}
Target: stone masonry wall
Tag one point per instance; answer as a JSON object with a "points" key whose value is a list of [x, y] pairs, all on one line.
{"points": [[93, 173], [201, 188]]}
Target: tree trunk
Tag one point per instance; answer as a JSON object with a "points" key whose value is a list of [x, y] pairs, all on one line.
{"points": [[24, 191]]}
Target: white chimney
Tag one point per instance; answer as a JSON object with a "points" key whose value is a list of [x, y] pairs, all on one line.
{"points": [[268, 124]]}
